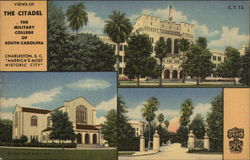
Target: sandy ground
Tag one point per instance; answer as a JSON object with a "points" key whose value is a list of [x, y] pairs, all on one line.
{"points": [[175, 152]]}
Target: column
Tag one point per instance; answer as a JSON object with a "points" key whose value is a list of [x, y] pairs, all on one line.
{"points": [[206, 142], [97, 138], [178, 74], [191, 140], [156, 141], [90, 138], [170, 74], [142, 143], [83, 138], [172, 47]]}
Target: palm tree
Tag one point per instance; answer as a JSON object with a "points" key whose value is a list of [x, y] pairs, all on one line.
{"points": [[77, 16], [161, 48], [118, 28], [160, 118], [148, 112], [166, 123], [183, 45], [186, 112]]}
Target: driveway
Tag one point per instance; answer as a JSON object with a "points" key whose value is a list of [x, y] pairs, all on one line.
{"points": [[174, 152]]}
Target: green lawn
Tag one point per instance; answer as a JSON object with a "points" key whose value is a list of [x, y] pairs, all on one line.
{"points": [[126, 153], [57, 154]]}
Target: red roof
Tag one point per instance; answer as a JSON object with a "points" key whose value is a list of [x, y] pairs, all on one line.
{"points": [[47, 129], [35, 110], [88, 127]]}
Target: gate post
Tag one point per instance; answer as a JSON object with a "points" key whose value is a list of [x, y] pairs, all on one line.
{"points": [[142, 144], [156, 141], [191, 140], [206, 142]]}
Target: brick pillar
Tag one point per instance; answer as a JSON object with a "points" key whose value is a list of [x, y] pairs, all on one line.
{"points": [[191, 140], [206, 142], [156, 141], [142, 143]]}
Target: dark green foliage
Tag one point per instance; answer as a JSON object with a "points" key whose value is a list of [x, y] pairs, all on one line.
{"points": [[62, 128], [245, 68], [164, 134], [23, 139], [182, 135], [88, 53], [138, 57], [161, 48], [160, 118], [198, 63], [215, 123], [125, 134], [230, 68], [198, 126], [5, 130], [77, 16], [81, 52], [186, 112], [109, 128]]}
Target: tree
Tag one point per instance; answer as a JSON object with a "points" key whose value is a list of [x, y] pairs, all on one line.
{"points": [[198, 63], [138, 56], [245, 68], [125, 133], [161, 48], [160, 118], [88, 53], [118, 28], [182, 136], [5, 130], [198, 126], [77, 16], [184, 46], [166, 123], [230, 68], [148, 112], [109, 128], [57, 38], [215, 123], [186, 112], [62, 128]]}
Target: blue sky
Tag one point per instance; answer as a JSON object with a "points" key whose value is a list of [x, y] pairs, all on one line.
{"points": [[170, 101], [213, 19], [49, 90]]}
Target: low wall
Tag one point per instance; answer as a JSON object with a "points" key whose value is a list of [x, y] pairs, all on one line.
{"points": [[25, 153]]}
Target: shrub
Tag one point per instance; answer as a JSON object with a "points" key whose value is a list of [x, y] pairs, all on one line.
{"points": [[23, 139]]}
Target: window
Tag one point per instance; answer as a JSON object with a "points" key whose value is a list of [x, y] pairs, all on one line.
{"points": [[120, 70], [16, 120], [125, 47], [49, 121], [219, 58], [214, 58], [81, 114], [121, 48], [34, 121]]}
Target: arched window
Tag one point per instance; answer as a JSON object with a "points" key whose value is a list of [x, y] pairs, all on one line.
{"points": [[16, 120], [34, 121], [81, 115]]}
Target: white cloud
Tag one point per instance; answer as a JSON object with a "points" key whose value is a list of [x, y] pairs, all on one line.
{"points": [[230, 37], [107, 105], [100, 120], [95, 24], [202, 30], [201, 108], [89, 84], [6, 115], [37, 97]]}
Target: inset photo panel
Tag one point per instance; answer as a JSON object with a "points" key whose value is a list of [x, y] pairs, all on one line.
{"points": [[170, 123], [58, 115]]}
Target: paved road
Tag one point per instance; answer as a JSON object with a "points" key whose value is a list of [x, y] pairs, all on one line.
{"points": [[175, 152]]}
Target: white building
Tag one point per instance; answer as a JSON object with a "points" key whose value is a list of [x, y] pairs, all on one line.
{"points": [[138, 127], [36, 123]]}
